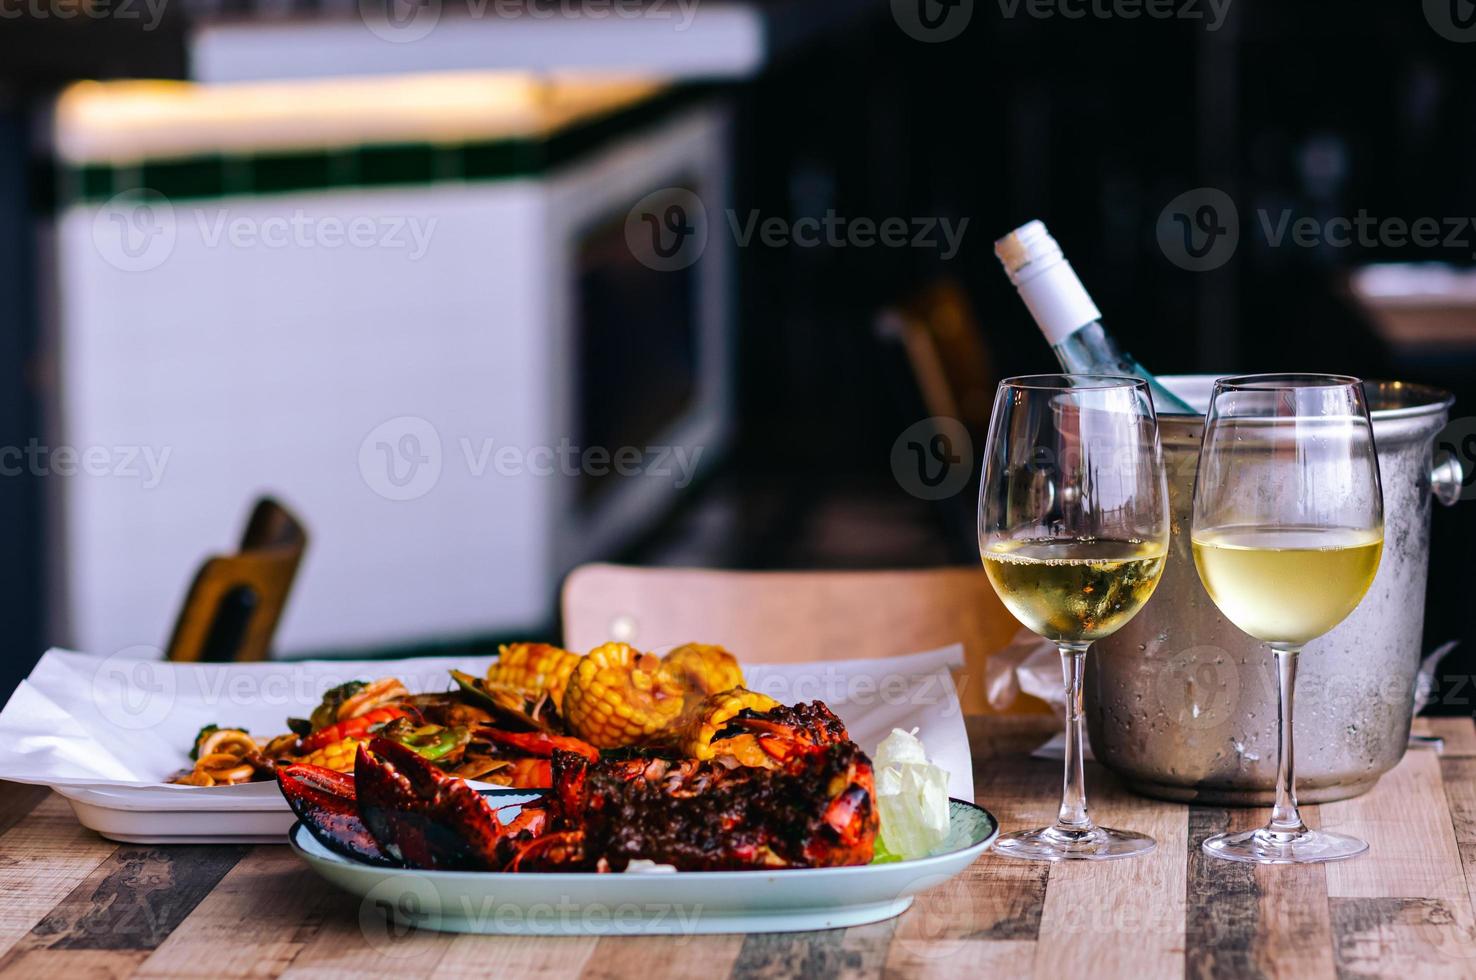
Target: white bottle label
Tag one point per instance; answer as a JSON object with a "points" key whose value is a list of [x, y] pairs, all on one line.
{"points": [[1059, 302]]}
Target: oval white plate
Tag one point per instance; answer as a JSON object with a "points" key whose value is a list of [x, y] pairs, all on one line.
{"points": [[646, 903]]}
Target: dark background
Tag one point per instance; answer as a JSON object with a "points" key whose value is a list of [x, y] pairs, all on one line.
{"points": [[1092, 125]]}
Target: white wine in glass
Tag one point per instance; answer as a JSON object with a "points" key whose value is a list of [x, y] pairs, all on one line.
{"points": [[1289, 585], [1073, 530], [1072, 591], [1288, 530]]}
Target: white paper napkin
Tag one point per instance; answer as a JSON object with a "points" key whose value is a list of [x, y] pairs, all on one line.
{"points": [[81, 720]]}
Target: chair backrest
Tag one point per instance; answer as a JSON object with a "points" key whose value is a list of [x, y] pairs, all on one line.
{"points": [[235, 601], [947, 351], [776, 617]]}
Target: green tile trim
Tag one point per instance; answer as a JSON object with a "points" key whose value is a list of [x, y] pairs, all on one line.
{"points": [[271, 172], [96, 182], [488, 161], [379, 165], [412, 163], [187, 178]]}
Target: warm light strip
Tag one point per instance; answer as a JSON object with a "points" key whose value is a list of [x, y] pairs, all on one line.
{"points": [[125, 122]]}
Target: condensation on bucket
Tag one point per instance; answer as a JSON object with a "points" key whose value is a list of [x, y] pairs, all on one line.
{"points": [[1182, 705]]}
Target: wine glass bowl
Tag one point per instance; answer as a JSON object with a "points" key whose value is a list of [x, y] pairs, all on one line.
{"points": [[1073, 533], [1287, 533]]}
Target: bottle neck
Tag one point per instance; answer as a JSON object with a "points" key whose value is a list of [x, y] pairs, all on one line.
{"points": [[1058, 302], [1090, 345]]}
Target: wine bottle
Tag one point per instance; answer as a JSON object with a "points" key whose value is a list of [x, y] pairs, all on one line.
{"points": [[1066, 314]]}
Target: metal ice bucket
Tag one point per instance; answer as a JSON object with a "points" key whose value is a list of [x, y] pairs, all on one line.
{"points": [[1182, 705]]}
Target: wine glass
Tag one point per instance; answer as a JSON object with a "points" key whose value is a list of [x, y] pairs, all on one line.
{"points": [[1288, 530], [1073, 531]]}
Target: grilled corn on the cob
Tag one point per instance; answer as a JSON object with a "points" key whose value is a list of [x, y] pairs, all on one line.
{"points": [[703, 668], [537, 667], [701, 723], [618, 696]]}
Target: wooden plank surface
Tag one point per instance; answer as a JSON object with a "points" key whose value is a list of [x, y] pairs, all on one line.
{"points": [[79, 906], [1246, 920], [42, 859], [1117, 918], [254, 923]]}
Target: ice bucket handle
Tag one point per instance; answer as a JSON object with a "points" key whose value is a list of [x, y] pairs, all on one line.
{"points": [[1448, 478]]}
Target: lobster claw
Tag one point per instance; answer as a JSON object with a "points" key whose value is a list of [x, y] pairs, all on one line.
{"points": [[324, 801], [570, 772], [531, 769], [539, 744], [426, 818]]}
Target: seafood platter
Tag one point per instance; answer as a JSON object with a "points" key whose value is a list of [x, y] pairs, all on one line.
{"points": [[657, 784]]}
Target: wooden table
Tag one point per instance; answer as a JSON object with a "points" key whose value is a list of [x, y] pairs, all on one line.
{"points": [[73, 904]]}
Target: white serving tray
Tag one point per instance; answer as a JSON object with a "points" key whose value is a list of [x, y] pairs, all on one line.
{"points": [[104, 732], [254, 813], [125, 819]]}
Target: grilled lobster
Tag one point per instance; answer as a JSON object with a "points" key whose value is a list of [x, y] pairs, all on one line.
{"points": [[807, 803]]}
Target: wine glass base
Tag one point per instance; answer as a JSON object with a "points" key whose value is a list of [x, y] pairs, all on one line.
{"points": [[1058, 844], [1266, 846]]}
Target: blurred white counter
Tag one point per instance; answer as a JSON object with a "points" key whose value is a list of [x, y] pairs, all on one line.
{"points": [[674, 39], [408, 308]]}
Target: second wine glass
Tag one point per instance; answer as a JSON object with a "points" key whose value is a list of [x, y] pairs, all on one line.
{"points": [[1073, 532], [1288, 531]]}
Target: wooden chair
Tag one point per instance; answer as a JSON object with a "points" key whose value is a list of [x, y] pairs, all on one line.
{"points": [[234, 603], [779, 617], [944, 368], [950, 359]]}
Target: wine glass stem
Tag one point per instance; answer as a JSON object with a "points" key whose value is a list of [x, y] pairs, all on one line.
{"points": [[1073, 814], [1285, 818]]}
